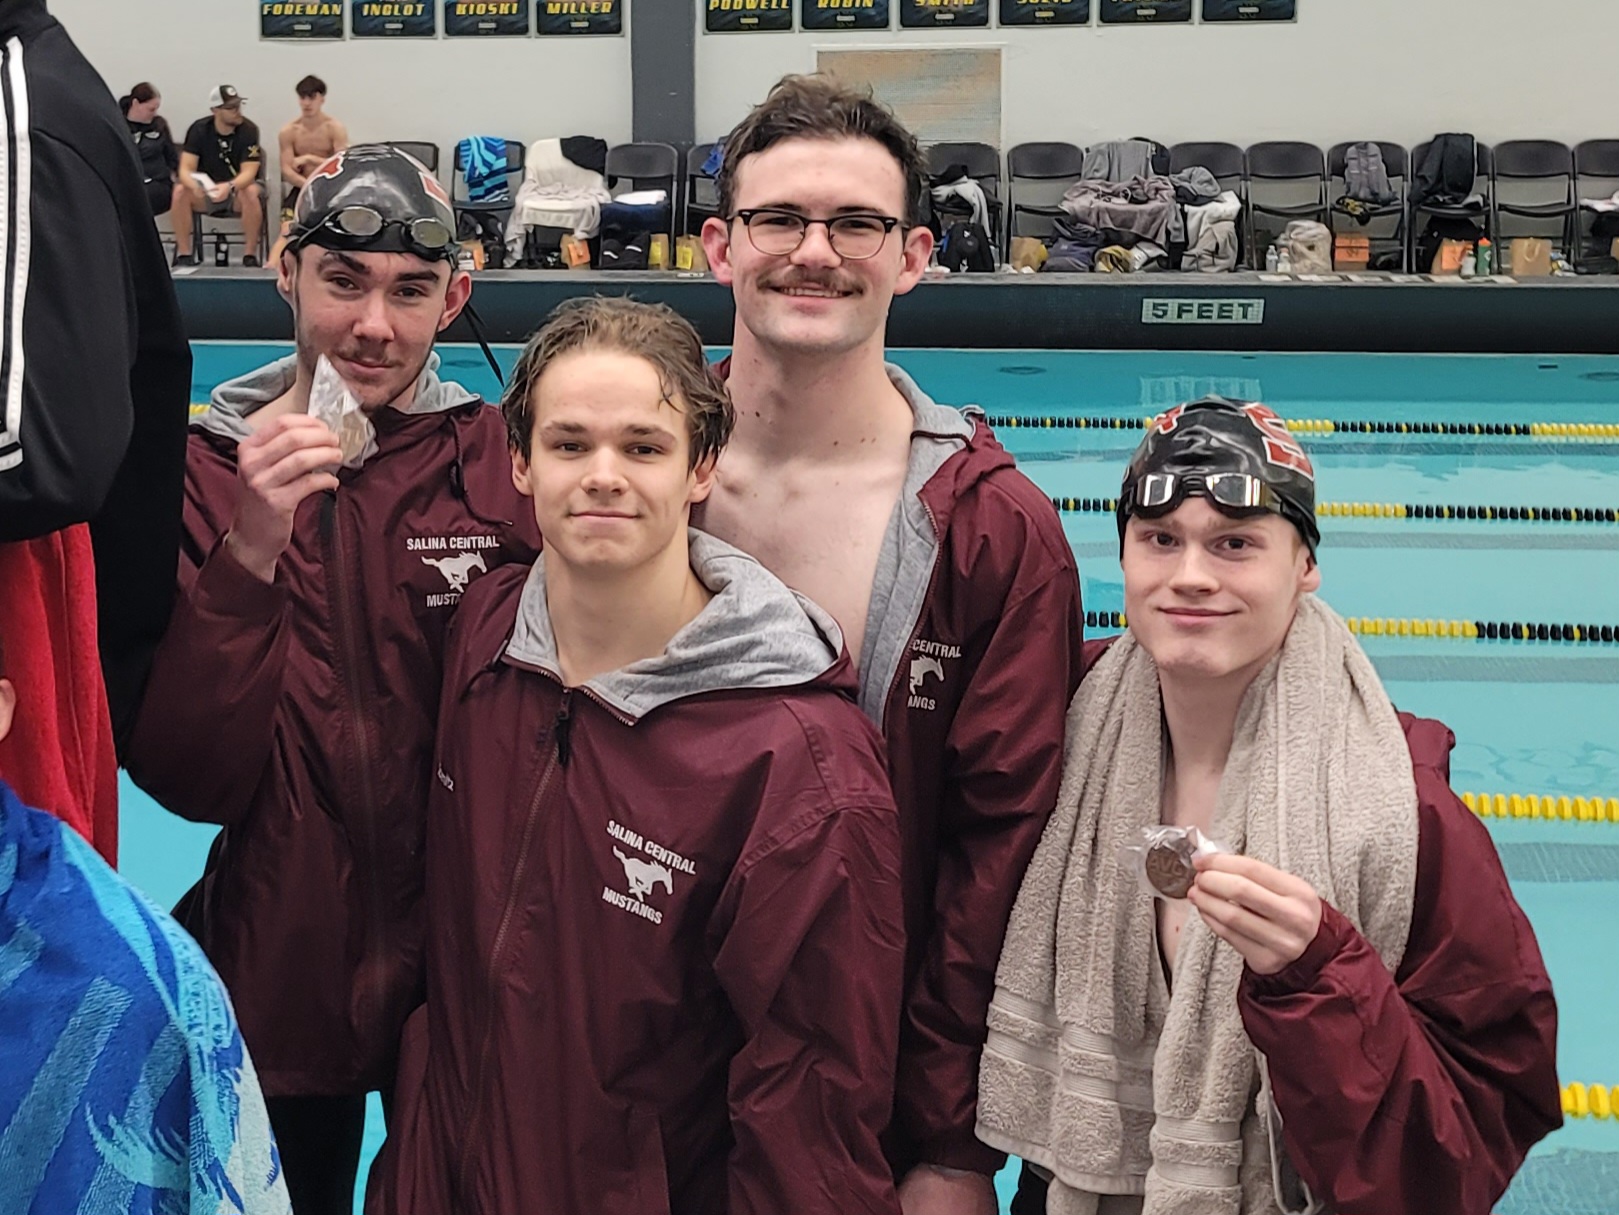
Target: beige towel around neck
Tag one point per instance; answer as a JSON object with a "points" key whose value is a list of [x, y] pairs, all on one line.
{"points": [[1092, 1070]]}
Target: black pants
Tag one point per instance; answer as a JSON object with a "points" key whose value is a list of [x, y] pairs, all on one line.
{"points": [[1031, 1193], [319, 1139]]}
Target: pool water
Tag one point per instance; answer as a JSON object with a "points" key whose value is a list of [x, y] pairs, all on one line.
{"points": [[1529, 717]]}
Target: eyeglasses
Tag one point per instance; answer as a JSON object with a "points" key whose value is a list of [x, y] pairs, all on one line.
{"points": [[1160, 493], [362, 226], [854, 238]]}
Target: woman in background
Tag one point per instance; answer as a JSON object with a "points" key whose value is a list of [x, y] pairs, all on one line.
{"points": [[154, 145]]}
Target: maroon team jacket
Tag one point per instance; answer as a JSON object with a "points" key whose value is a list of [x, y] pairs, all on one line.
{"points": [[665, 941], [299, 716], [1421, 1092], [971, 656]]}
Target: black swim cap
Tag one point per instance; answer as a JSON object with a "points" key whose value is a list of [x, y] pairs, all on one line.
{"points": [[1188, 445], [373, 198]]}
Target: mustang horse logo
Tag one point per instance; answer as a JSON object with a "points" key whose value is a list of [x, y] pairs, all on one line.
{"points": [[644, 875], [921, 668], [457, 570]]}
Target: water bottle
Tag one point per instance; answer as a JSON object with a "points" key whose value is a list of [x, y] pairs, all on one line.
{"points": [[1486, 258], [1284, 264], [1469, 262], [221, 250], [1272, 260]]}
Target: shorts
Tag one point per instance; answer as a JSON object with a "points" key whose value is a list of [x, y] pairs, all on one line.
{"points": [[228, 207], [161, 195]]}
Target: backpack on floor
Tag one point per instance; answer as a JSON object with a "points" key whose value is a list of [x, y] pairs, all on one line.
{"points": [[966, 249]]}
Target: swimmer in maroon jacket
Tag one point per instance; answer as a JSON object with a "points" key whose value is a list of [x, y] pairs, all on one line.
{"points": [[1357, 1018], [665, 939]]}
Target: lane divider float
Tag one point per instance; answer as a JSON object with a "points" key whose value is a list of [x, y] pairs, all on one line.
{"points": [[1591, 1100], [1327, 426], [1458, 630], [1559, 807], [1402, 510]]}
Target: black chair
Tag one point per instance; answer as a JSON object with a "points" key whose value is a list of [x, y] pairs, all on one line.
{"points": [[1484, 173], [983, 164], [1596, 175], [1300, 167], [702, 195], [647, 166], [1224, 160], [1397, 163], [494, 209], [425, 152], [1536, 160], [1038, 162]]}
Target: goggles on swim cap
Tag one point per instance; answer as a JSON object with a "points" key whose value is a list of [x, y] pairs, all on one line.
{"points": [[375, 198], [1237, 454], [361, 227]]}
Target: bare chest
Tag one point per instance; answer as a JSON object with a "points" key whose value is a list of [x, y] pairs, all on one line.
{"points": [[822, 540], [313, 141]]}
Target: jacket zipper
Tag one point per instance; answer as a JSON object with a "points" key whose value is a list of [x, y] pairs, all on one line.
{"points": [[916, 629], [558, 758], [378, 938]]}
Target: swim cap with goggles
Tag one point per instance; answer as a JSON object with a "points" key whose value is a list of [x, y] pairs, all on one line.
{"points": [[1237, 454], [373, 198]]}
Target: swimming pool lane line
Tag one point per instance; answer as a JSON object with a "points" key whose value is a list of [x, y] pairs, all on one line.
{"points": [[1460, 630], [1401, 510], [1561, 807], [1591, 1100], [1330, 426]]}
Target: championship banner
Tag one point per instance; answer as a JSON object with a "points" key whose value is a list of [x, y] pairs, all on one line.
{"points": [[747, 16], [486, 18], [1045, 12], [579, 16], [942, 14], [843, 15], [1250, 10], [393, 19], [301, 19], [1145, 12]]}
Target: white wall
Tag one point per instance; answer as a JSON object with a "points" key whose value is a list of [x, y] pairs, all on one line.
{"points": [[439, 90], [1348, 69], [1391, 69]]}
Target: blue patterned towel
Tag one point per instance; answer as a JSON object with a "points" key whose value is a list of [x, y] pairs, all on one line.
{"points": [[483, 165], [125, 1086]]}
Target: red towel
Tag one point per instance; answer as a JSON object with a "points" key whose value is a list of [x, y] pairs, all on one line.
{"points": [[59, 755]]}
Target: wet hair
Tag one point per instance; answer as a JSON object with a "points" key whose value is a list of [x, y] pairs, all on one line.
{"points": [[140, 94], [311, 86], [822, 107], [654, 332]]}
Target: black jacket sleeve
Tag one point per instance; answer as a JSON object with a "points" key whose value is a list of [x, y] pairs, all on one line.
{"points": [[95, 371]]}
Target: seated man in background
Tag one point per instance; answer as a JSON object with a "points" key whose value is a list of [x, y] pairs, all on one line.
{"points": [[1357, 960], [307, 142], [224, 147], [652, 769], [126, 1086]]}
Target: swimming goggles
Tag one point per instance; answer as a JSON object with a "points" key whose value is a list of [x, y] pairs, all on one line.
{"points": [[361, 227]]}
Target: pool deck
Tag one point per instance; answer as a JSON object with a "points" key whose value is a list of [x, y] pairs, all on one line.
{"points": [[1362, 312]]}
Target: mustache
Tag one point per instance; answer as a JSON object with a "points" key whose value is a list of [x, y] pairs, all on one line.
{"points": [[826, 280]]}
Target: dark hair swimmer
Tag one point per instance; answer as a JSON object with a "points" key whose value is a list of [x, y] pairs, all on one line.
{"points": [[1237, 454]]}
